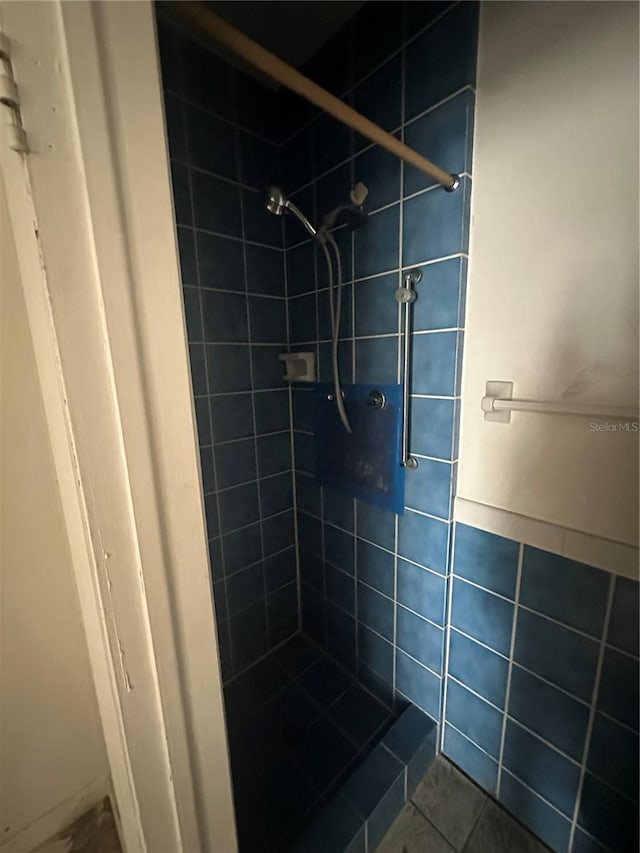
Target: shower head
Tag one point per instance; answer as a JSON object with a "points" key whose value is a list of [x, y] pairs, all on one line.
{"points": [[278, 203]]}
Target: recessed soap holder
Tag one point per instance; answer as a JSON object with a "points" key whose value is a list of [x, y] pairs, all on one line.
{"points": [[299, 366]]}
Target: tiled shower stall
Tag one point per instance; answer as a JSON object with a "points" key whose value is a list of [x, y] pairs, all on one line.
{"points": [[343, 629]]}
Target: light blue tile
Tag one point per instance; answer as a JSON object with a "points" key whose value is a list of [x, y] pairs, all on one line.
{"points": [[421, 591], [623, 627], [475, 763], [435, 225], [376, 307], [613, 755], [376, 525], [570, 592], [376, 243], [423, 540], [553, 715], [385, 813], [420, 639], [216, 204], [618, 694], [441, 295], [418, 684], [377, 360], [482, 616], [544, 821], [481, 670], [609, 817], [375, 653], [486, 559], [434, 363], [375, 611], [476, 719], [429, 488], [409, 732], [432, 427], [375, 567], [556, 653], [367, 786], [552, 776]]}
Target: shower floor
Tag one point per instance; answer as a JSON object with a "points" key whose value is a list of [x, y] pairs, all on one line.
{"points": [[298, 725]]}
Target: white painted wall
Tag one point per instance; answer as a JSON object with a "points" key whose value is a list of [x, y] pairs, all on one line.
{"points": [[52, 758], [553, 282]]}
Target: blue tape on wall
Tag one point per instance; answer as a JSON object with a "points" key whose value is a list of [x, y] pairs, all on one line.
{"points": [[365, 463]]}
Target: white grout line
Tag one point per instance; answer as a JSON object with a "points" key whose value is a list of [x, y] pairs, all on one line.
{"points": [[445, 662]]}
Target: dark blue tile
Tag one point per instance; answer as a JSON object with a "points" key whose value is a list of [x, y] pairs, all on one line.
{"points": [[232, 417], [551, 775], [420, 639], [238, 506], [556, 653], [280, 569], [325, 753], [276, 494], [312, 570], [422, 591], [358, 714], [482, 615], [376, 525], [423, 540], [613, 755], [376, 654], [418, 684], [325, 327], [216, 204], [330, 66], [313, 622], [277, 533], [274, 454], [268, 320], [618, 694], [441, 295], [202, 420], [245, 588], [475, 763], [297, 655], [221, 263], [541, 819], [229, 368], [331, 141], [248, 635], [341, 636], [225, 317], [481, 670], [376, 567], [272, 411], [379, 97], [265, 270], [409, 732], [432, 427], [570, 592], [308, 494], [334, 828], [584, 843], [181, 194], [301, 269], [303, 409], [375, 611], [486, 559], [385, 813], [377, 360], [608, 816], [310, 533], [198, 369], [212, 143], [332, 190], [169, 48], [371, 781], [379, 171], [201, 67], [379, 33], [325, 682], [267, 370], [623, 626], [434, 363], [257, 106], [376, 243], [260, 226], [376, 307], [435, 225], [442, 60], [559, 719], [211, 515], [296, 161], [338, 509], [339, 588], [220, 601], [304, 447], [379, 687], [206, 466], [259, 161], [338, 547], [303, 319], [173, 111], [282, 611], [236, 463], [430, 488], [444, 135], [241, 548], [476, 719], [294, 230], [188, 268]]}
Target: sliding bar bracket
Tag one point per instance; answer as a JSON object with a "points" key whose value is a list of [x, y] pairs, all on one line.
{"points": [[497, 391]]}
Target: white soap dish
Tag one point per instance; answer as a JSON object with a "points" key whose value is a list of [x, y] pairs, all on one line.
{"points": [[299, 366]]}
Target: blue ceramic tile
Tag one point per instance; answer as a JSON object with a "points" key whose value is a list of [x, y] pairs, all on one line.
{"points": [[376, 525], [584, 843], [277, 533], [313, 623], [418, 684], [236, 463], [200, 68], [325, 326], [170, 57], [280, 569], [308, 494], [310, 533], [297, 655], [375, 611], [259, 161], [375, 567], [486, 559], [260, 226], [475, 763], [441, 294], [377, 360], [613, 755], [212, 143], [268, 320], [296, 161], [385, 813], [481, 670], [371, 781], [559, 719], [265, 270], [442, 60], [198, 369], [420, 639], [326, 753], [375, 653], [276, 494], [215, 559], [434, 363], [376, 308], [345, 362], [419, 15], [301, 269], [376, 243], [546, 771], [220, 601], [241, 548], [409, 732], [570, 592], [379, 30], [274, 453], [221, 262], [430, 488], [379, 171], [444, 135], [556, 653], [358, 714], [331, 141], [282, 611], [334, 828], [202, 420], [225, 317], [544, 821], [303, 409], [175, 126], [330, 66], [338, 509], [623, 626], [332, 190], [303, 319], [187, 251], [432, 427], [379, 97], [341, 636], [482, 616], [248, 635], [211, 514], [609, 817], [618, 694], [423, 540], [338, 547], [257, 106], [229, 368], [434, 225], [181, 194], [476, 719], [206, 466], [272, 411], [238, 506], [232, 417], [294, 230], [325, 682], [216, 204], [339, 588], [422, 591], [267, 370], [304, 447], [245, 588]]}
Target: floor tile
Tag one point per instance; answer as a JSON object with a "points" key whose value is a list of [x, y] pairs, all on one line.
{"points": [[412, 833], [498, 832], [450, 801]]}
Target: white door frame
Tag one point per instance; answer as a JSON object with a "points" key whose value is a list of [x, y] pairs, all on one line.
{"points": [[92, 216]]}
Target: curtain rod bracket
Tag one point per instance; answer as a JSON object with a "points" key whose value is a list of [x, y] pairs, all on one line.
{"points": [[454, 186]]}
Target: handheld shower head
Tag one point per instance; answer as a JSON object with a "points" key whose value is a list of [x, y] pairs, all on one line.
{"points": [[278, 203]]}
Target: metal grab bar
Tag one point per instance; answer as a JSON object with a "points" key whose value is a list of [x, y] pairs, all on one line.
{"points": [[406, 296], [498, 403]]}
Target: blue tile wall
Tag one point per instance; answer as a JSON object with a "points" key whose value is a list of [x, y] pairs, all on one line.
{"points": [[542, 689]]}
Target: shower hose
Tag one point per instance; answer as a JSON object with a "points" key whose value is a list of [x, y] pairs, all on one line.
{"points": [[335, 306]]}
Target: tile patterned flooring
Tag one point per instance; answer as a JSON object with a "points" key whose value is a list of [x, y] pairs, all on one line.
{"points": [[449, 814]]}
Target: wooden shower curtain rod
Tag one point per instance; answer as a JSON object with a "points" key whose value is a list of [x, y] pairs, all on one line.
{"points": [[236, 41]]}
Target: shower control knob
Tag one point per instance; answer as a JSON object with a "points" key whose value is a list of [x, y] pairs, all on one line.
{"points": [[376, 400]]}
